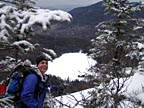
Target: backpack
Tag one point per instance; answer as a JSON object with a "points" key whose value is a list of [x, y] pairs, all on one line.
{"points": [[11, 87]]}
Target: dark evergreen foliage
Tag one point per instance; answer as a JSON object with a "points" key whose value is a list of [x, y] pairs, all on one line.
{"points": [[116, 45]]}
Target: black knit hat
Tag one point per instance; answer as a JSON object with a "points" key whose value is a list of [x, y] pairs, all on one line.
{"points": [[40, 58]]}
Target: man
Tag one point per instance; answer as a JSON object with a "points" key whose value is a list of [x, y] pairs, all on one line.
{"points": [[34, 86]]}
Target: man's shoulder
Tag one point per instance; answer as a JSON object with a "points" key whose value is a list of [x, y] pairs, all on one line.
{"points": [[31, 76]]}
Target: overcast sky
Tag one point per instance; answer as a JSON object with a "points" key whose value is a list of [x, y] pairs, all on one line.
{"points": [[66, 5]]}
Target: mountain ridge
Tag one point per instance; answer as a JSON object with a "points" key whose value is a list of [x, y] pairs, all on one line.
{"points": [[76, 35], [94, 10]]}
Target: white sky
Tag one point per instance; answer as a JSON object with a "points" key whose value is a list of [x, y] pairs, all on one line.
{"points": [[66, 5]]}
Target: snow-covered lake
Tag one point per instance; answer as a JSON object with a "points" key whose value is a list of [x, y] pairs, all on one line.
{"points": [[71, 65]]}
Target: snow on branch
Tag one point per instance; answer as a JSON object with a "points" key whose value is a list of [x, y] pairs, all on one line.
{"points": [[14, 20], [43, 17], [50, 52], [23, 45]]}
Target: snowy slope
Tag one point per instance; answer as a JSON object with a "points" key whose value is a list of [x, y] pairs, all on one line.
{"points": [[135, 89], [72, 64]]}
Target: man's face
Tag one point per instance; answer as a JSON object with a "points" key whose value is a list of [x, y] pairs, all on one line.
{"points": [[43, 66]]}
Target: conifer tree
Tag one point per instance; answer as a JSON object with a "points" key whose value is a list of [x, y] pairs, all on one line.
{"points": [[115, 49], [19, 20]]}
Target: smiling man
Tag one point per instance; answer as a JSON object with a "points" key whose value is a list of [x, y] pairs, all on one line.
{"points": [[35, 86]]}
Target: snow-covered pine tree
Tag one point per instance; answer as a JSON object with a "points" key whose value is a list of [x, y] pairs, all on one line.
{"points": [[115, 49], [18, 20]]}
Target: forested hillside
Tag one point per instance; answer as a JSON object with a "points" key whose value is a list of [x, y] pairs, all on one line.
{"points": [[75, 36]]}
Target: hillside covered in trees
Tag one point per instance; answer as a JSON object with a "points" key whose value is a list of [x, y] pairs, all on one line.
{"points": [[76, 35]]}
